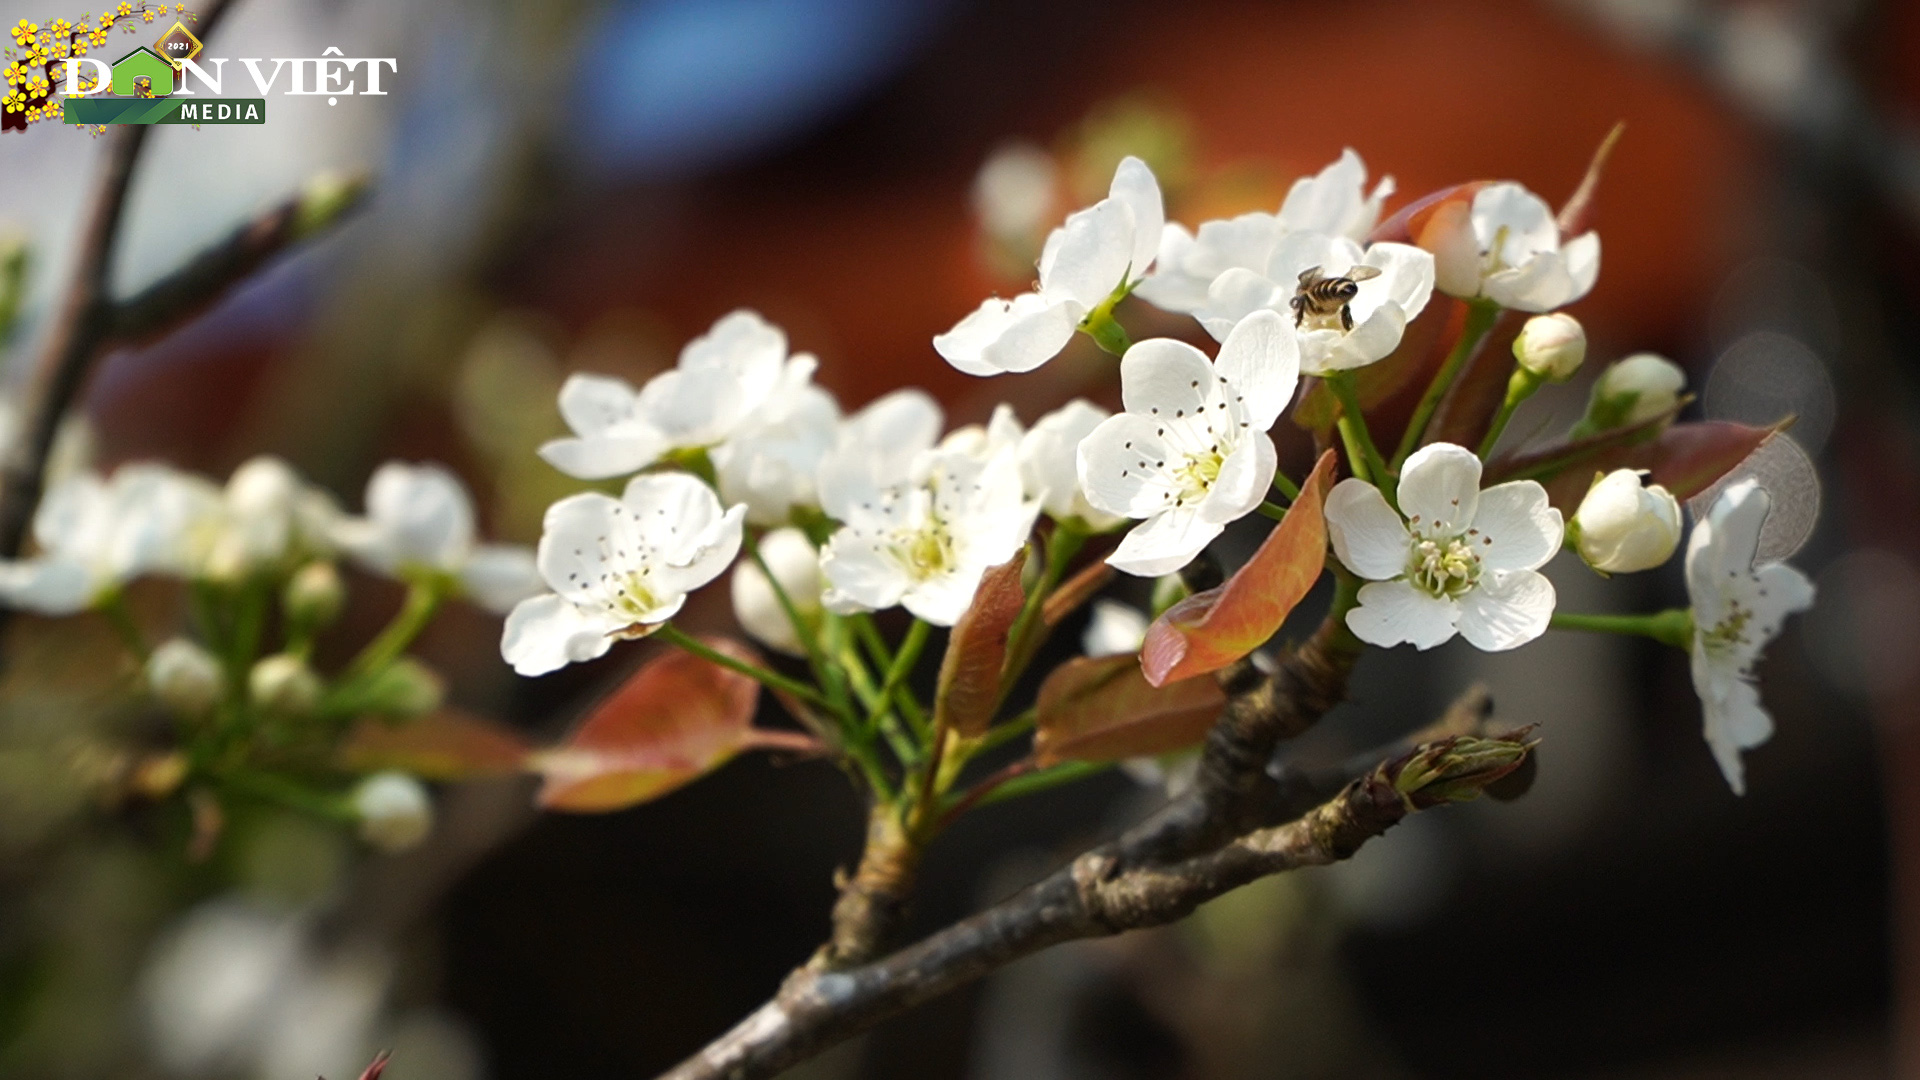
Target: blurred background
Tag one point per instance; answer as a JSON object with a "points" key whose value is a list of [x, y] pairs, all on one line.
{"points": [[580, 186]]}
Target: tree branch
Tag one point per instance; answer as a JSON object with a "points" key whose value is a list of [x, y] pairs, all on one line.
{"points": [[1103, 892]]}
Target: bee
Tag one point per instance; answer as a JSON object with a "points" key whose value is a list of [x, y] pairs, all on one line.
{"points": [[1322, 298]]}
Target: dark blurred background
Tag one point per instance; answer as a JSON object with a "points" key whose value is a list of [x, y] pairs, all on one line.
{"points": [[583, 186]]}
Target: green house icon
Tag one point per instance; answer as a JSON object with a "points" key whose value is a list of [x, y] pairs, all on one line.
{"points": [[142, 73]]}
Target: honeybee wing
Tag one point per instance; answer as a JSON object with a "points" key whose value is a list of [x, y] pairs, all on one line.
{"points": [[1360, 273], [1310, 275]]}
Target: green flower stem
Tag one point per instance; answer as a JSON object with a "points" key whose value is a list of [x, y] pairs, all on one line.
{"points": [[1286, 486], [1104, 329], [271, 787], [423, 599], [1004, 732], [249, 623], [1671, 627], [1272, 510], [1354, 432], [1481, 315], [893, 692], [809, 638], [1520, 387], [1032, 782], [120, 617], [1028, 632], [672, 635]]}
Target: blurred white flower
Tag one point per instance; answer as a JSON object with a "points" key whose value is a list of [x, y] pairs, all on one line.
{"points": [[395, 810], [266, 516], [1100, 251], [1508, 249], [769, 461], [95, 535], [1333, 202], [420, 521], [1191, 453], [1014, 191], [1002, 431], [618, 567], [796, 566], [1464, 560], [921, 524], [1116, 629], [1624, 525], [722, 379], [1050, 466], [185, 676], [1737, 609]]}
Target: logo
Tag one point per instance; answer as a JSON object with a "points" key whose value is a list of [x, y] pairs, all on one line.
{"points": [[60, 72]]}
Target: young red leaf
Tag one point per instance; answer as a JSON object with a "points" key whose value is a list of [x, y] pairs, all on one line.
{"points": [[1211, 629], [969, 687], [1686, 459], [677, 718], [1416, 223], [1103, 709], [447, 744]]}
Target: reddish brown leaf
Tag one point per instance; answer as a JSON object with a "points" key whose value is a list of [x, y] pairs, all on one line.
{"points": [[1101, 708], [377, 1067], [1686, 459], [1416, 221], [677, 718], [1547, 462], [447, 744], [969, 687], [1075, 591], [1211, 629], [1577, 215]]}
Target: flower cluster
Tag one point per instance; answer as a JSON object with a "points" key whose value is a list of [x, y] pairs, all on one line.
{"points": [[34, 77]]}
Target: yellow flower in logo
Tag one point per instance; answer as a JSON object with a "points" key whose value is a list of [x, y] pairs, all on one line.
{"points": [[24, 32], [147, 15], [59, 27], [59, 49], [15, 101], [125, 8], [14, 75]]}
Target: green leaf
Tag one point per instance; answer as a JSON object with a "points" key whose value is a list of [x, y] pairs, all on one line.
{"points": [[1103, 709], [1209, 630]]}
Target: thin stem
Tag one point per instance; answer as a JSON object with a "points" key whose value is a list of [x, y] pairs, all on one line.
{"points": [[672, 635], [1520, 387], [1272, 510], [809, 639], [1031, 782], [1481, 315], [1286, 486], [1104, 329], [1354, 432], [1028, 631], [289, 793], [1671, 627], [423, 599]]}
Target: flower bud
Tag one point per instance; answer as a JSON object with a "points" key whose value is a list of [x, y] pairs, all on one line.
{"points": [[407, 688], [1551, 346], [314, 595], [1634, 391], [796, 566], [1623, 526], [284, 684], [184, 676], [395, 811]]}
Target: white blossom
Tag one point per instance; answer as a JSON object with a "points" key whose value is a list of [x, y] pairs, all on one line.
{"points": [[1050, 466], [96, 534], [920, 523], [1014, 192], [1100, 251], [1116, 629], [395, 811], [1509, 250], [1381, 307], [1639, 388], [1191, 453], [1624, 525], [1462, 560], [796, 567], [769, 461], [420, 521], [1738, 608], [722, 379], [266, 516], [1333, 202], [619, 567]]}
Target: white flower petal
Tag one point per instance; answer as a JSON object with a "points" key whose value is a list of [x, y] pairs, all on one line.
{"points": [[1511, 212], [1440, 489], [1163, 543], [499, 576], [601, 458], [1172, 286], [1086, 259], [1582, 256], [1165, 378], [1541, 283], [860, 574], [1242, 485], [546, 633], [1261, 360], [1394, 612], [1506, 609], [1735, 722], [595, 405], [423, 513], [1119, 465], [1134, 185], [1233, 296], [579, 538], [1369, 538], [1515, 528], [1010, 335], [48, 586], [1406, 278]]}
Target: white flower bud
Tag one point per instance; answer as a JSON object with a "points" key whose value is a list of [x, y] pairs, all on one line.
{"points": [[284, 684], [1623, 526], [1551, 346], [184, 676], [314, 595], [395, 811], [407, 688], [1642, 387], [796, 566]]}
